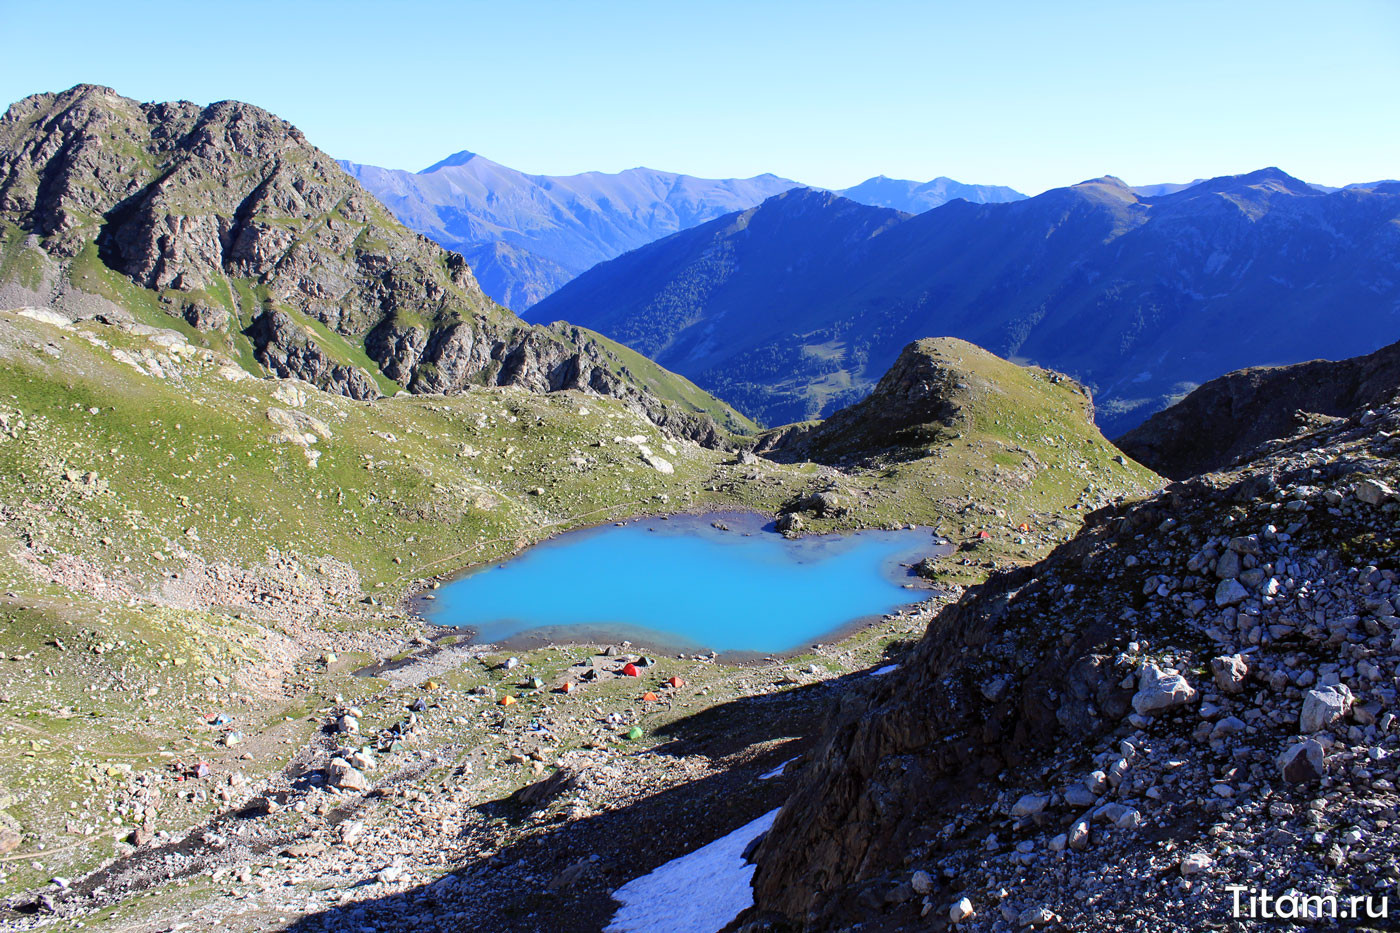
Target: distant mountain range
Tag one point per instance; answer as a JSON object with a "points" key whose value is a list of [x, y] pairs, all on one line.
{"points": [[914, 197], [1149, 191], [526, 235], [794, 308]]}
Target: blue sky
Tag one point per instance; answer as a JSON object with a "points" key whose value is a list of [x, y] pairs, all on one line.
{"points": [[1028, 94]]}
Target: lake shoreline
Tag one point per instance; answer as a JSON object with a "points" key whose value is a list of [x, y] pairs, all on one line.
{"points": [[421, 601]]}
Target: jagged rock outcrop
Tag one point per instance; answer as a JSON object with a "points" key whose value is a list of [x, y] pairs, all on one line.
{"points": [[232, 221], [933, 391], [1196, 691], [284, 349], [1226, 418]]}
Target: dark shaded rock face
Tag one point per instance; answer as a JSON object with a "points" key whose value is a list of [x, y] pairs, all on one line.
{"points": [[1227, 418], [282, 347], [1071, 739], [927, 739], [238, 225]]}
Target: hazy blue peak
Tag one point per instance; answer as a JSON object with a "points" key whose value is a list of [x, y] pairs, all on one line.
{"points": [[457, 158], [526, 235], [1262, 182], [1273, 178], [916, 197]]}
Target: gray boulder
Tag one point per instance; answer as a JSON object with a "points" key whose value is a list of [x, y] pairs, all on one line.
{"points": [[1230, 593], [1161, 690], [1302, 763], [1229, 672], [1322, 707], [346, 776]]}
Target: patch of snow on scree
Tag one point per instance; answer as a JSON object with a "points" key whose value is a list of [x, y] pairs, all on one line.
{"points": [[696, 893], [776, 772]]}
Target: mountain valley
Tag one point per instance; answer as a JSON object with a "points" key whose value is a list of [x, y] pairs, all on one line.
{"points": [[248, 423], [794, 308], [258, 408]]}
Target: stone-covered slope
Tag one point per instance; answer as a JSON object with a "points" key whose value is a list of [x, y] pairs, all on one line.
{"points": [[1226, 418], [1196, 691], [226, 218]]}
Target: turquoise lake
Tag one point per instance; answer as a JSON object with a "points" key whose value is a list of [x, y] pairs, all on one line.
{"points": [[681, 584]]}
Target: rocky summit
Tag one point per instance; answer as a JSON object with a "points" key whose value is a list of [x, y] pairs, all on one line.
{"points": [[1196, 696], [225, 219], [936, 390]]}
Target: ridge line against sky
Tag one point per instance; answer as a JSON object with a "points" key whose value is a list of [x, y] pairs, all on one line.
{"points": [[1022, 94]]}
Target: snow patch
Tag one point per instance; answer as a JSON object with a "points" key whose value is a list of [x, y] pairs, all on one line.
{"points": [[696, 893], [769, 775], [887, 669]]}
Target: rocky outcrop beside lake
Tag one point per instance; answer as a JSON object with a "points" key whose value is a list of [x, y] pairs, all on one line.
{"points": [[931, 395]]}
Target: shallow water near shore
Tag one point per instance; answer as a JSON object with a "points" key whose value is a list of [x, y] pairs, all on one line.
{"points": [[682, 584]]}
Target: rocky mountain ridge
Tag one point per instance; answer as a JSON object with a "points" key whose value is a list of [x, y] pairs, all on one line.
{"points": [[226, 218], [1198, 691], [1225, 419], [934, 393], [915, 197], [794, 308]]}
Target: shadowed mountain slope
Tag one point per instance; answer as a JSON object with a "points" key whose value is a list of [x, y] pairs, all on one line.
{"points": [[1229, 417], [526, 235], [794, 308]]}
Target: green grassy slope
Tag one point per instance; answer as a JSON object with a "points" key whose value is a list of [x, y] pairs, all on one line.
{"points": [[673, 387]]}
